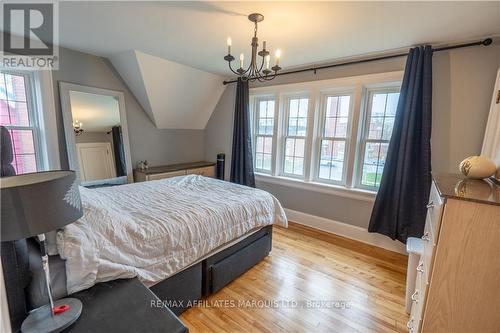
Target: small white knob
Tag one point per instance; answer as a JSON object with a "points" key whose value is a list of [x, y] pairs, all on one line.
{"points": [[426, 237]]}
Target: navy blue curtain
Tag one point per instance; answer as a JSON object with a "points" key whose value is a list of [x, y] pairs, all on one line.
{"points": [[121, 169], [400, 207], [241, 159]]}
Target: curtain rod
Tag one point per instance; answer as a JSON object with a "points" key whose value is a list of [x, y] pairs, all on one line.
{"points": [[484, 42]]}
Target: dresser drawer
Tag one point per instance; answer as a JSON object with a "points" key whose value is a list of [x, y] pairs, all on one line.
{"points": [[205, 171], [157, 176], [435, 209], [418, 301], [429, 241]]}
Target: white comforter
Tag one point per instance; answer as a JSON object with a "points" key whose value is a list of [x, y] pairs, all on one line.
{"points": [[154, 229]]}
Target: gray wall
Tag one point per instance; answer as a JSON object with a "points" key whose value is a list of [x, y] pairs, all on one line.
{"points": [[463, 86], [146, 141]]}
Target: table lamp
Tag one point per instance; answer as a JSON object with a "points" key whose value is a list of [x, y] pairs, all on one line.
{"points": [[31, 205]]}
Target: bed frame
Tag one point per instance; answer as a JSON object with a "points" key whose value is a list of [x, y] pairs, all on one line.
{"points": [[213, 273]]}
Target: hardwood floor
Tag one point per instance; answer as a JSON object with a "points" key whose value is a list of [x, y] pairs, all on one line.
{"points": [[350, 286]]}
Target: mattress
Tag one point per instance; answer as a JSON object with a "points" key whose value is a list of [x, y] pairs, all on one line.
{"points": [[155, 229]]}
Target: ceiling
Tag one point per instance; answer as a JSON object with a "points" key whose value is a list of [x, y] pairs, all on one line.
{"points": [[97, 113], [194, 33], [174, 96]]}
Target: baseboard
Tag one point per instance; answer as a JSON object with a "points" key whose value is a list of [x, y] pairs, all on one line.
{"points": [[345, 230]]}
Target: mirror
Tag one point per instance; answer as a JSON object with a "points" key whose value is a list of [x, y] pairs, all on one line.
{"points": [[96, 134]]}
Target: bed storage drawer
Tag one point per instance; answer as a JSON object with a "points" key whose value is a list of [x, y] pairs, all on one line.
{"points": [[227, 269], [180, 289]]}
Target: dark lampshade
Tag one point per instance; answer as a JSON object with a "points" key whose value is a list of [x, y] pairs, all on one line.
{"points": [[36, 203]]}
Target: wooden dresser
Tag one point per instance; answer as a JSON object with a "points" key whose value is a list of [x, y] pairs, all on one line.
{"points": [[457, 287], [206, 169]]}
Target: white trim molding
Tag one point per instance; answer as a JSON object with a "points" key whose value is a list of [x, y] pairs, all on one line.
{"points": [[335, 190], [345, 230], [64, 90]]}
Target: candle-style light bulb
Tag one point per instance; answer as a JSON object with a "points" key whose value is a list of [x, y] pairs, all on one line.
{"points": [[264, 45], [229, 43], [268, 61], [242, 57], [278, 56]]}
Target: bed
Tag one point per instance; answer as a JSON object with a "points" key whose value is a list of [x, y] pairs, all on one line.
{"points": [[183, 237]]}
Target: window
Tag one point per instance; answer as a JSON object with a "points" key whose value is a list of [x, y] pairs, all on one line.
{"points": [[333, 138], [295, 137], [17, 115], [264, 131], [332, 133], [379, 120]]}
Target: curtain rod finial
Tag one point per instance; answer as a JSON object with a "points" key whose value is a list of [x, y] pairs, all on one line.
{"points": [[487, 41]]}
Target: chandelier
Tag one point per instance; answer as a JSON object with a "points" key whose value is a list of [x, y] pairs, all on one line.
{"points": [[77, 127], [254, 71]]}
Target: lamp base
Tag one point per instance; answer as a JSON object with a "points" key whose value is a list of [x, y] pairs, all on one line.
{"points": [[40, 320]]}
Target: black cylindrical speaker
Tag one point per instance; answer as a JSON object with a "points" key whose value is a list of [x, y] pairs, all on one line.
{"points": [[221, 160]]}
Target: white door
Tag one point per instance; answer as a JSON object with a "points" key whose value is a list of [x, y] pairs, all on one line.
{"points": [[96, 161]]}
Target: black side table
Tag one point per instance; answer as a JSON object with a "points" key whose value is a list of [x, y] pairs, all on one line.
{"points": [[123, 306]]}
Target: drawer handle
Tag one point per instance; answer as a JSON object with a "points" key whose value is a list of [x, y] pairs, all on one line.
{"points": [[430, 205], [426, 237], [414, 297], [420, 267], [409, 324]]}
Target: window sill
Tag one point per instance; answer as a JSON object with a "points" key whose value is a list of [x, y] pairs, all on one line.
{"points": [[341, 191]]}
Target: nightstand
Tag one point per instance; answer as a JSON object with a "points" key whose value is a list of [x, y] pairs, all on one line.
{"points": [[123, 306]]}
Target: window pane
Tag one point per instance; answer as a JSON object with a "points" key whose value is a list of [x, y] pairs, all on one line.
{"points": [[268, 145], [369, 175], [324, 169], [336, 116], [301, 126], [330, 127], [288, 164], [303, 105], [392, 104], [3, 87], [376, 126], [294, 108], [297, 117], [331, 106], [259, 147], [289, 147], [16, 90], [388, 125], [332, 160], [326, 149], [378, 104], [4, 113], [18, 113], [372, 153], [259, 160], [298, 166], [344, 106], [299, 147], [24, 151], [267, 162], [292, 126], [341, 128]]}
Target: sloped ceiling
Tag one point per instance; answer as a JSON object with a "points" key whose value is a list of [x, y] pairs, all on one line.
{"points": [[174, 96]]}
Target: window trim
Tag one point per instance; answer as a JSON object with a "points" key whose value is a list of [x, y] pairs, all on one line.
{"points": [[284, 133], [368, 92], [356, 85], [42, 113], [320, 136], [255, 110]]}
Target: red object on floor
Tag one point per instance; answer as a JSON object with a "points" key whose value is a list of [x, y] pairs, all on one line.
{"points": [[60, 309]]}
